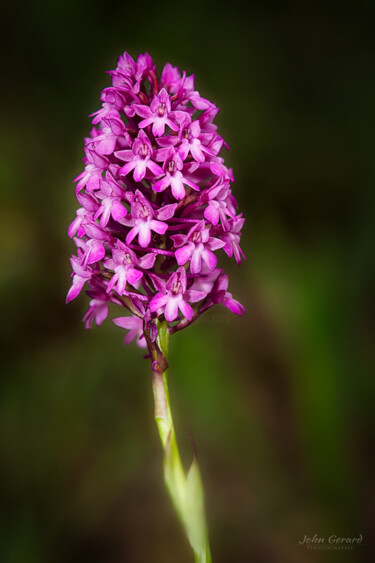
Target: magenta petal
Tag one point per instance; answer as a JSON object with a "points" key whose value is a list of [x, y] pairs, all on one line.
{"points": [[141, 341], [197, 152], [93, 231], [118, 211], [171, 308], [96, 252], [196, 262], [186, 309], [105, 216], [158, 128], [76, 288], [143, 111], [211, 213], [127, 168], [195, 128], [215, 243], [194, 295], [210, 259], [102, 314], [139, 170], [131, 234], [74, 226], [233, 305], [124, 155], [121, 277], [160, 185], [177, 187], [155, 168], [127, 322], [166, 212], [130, 336], [144, 235], [145, 122], [158, 227], [159, 283], [184, 254], [107, 145], [158, 301], [133, 275], [178, 240], [147, 261]]}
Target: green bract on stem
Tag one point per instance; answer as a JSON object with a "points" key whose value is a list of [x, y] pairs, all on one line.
{"points": [[185, 489]]}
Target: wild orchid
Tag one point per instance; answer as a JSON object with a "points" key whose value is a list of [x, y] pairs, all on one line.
{"points": [[155, 212]]}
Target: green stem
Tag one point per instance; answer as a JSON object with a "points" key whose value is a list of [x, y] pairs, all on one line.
{"points": [[185, 490]]}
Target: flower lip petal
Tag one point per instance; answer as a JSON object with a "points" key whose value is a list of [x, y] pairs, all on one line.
{"points": [[171, 307]]}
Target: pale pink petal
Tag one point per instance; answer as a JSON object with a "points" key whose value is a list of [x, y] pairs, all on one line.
{"points": [[107, 145], [123, 274], [196, 262], [171, 308], [158, 127], [144, 235], [139, 170], [177, 187]]}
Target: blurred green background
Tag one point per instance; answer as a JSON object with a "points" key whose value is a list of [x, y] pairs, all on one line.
{"points": [[280, 402]]}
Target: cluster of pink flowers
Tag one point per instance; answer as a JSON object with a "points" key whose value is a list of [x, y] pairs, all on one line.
{"points": [[155, 204]]}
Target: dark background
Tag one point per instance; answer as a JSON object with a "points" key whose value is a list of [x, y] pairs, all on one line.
{"points": [[280, 402]]}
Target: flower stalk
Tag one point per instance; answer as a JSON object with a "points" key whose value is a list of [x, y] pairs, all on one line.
{"points": [[185, 490]]}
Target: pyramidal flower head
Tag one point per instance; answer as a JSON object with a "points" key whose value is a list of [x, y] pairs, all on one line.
{"points": [[155, 205]]}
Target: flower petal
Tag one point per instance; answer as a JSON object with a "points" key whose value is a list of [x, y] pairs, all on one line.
{"points": [[171, 308], [158, 301], [184, 254]]}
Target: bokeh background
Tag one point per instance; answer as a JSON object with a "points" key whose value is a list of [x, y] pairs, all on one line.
{"points": [[280, 402]]}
